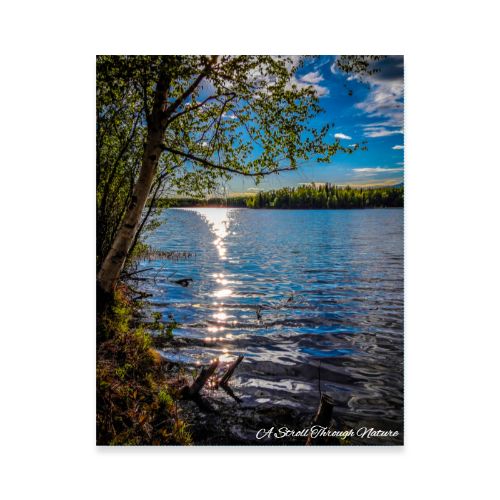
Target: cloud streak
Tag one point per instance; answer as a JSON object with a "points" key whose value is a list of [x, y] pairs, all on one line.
{"points": [[380, 132], [378, 169], [375, 183], [342, 136]]}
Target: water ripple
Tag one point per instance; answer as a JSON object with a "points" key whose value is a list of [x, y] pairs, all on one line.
{"points": [[328, 287]]}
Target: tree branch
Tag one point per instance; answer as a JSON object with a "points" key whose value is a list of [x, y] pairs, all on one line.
{"points": [[248, 131], [192, 108], [207, 163], [191, 88], [167, 172]]}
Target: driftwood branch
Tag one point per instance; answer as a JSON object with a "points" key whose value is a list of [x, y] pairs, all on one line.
{"points": [[201, 380], [231, 393], [164, 264], [225, 379], [127, 275], [322, 418]]}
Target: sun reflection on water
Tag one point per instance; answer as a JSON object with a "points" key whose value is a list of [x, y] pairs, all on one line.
{"points": [[218, 220]]}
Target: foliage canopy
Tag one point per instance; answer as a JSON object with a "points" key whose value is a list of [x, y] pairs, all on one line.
{"points": [[226, 115]]}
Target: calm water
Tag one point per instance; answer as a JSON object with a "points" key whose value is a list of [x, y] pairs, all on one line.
{"points": [[345, 271]]}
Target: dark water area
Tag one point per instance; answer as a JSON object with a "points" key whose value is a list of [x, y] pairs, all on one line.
{"points": [[345, 271]]}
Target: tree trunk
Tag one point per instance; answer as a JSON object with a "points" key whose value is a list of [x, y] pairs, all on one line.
{"points": [[113, 264], [111, 269]]}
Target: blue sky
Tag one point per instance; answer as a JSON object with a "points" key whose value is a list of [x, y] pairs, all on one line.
{"points": [[374, 115]]}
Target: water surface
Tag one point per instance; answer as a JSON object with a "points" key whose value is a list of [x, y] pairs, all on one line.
{"points": [[329, 285]]}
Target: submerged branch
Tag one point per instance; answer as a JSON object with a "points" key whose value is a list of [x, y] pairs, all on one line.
{"points": [[201, 380], [225, 379]]}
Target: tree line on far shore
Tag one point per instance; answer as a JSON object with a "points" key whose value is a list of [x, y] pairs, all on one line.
{"points": [[329, 196], [325, 196], [233, 201]]}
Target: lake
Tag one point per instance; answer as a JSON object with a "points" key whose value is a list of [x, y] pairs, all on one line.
{"points": [[330, 290]]}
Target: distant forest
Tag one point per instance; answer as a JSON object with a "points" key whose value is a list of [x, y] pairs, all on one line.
{"points": [[326, 196], [233, 201]]}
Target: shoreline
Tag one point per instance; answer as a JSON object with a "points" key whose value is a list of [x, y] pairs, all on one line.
{"points": [[219, 417], [292, 209]]}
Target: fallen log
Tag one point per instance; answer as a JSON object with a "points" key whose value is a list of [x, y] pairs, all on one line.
{"points": [[225, 379], [322, 418], [201, 380]]}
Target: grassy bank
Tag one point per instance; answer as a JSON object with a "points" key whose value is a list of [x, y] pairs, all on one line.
{"points": [[136, 403]]}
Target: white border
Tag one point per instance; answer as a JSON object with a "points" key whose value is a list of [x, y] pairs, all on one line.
{"points": [[256, 451]]}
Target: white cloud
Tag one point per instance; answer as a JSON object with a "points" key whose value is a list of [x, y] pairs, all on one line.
{"points": [[342, 136], [314, 77], [308, 80], [378, 169], [380, 132], [385, 97], [382, 100], [255, 189], [398, 147], [334, 68], [401, 163], [351, 145], [300, 83]]}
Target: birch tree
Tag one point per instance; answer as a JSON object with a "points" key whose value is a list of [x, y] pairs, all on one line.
{"points": [[193, 121]]}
